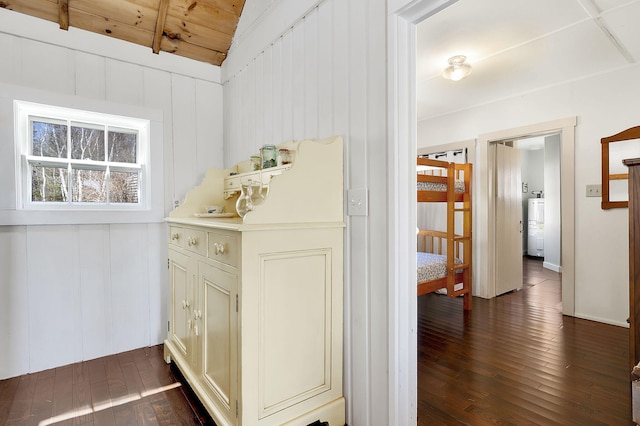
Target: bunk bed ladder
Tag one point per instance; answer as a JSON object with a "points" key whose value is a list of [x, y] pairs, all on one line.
{"points": [[465, 238]]}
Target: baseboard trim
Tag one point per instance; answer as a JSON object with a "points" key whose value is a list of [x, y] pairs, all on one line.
{"points": [[551, 266]]}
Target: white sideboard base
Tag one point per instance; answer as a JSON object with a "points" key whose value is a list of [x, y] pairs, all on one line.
{"points": [[256, 303], [333, 413]]}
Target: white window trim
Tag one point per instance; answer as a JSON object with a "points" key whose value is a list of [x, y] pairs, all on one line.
{"points": [[24, 110]]}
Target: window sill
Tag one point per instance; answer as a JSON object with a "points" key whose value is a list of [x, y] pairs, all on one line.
{"points": [[66, 217]]}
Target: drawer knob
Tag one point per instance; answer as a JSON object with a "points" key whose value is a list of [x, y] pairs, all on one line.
{"points": [[192, 241], [175, 236], [219, 248]]}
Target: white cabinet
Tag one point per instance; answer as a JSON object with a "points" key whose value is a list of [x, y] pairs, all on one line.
{"points": [[203, 332], [219, 373], [182, 299], [256, 303]]}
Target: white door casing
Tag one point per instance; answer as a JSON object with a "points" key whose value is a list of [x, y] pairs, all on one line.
{"points": [[484, 213], [402, 129]]}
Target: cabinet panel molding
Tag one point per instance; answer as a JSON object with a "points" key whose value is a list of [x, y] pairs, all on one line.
{"points": [[295, 327], [219, 335]]}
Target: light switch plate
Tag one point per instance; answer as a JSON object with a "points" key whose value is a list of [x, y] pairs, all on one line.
{"points": [[357, 202], [594, 190]]}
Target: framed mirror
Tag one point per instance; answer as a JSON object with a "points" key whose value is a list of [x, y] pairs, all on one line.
{"points": [[615, 176]]}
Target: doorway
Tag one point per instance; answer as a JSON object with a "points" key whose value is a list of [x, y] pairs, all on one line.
{"points": [[526, 176], [486, 210], [402, 308], [541, 199]]}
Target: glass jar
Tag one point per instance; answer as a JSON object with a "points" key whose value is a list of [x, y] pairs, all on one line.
{"points": [[268, 154], [251, 195], [284, 157], [257, 193], [256, 162], [244, 204]]}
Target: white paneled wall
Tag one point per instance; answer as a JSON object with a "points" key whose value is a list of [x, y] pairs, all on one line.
{"points": [[14, 301], [287, 91], [301, 69], [53, 295], [80, 291]]}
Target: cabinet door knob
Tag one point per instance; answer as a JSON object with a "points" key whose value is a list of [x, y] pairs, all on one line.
{"points": [[197, 314], [185, 304], [219, 247]]}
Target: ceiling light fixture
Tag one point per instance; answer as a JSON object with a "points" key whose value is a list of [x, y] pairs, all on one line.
{"points": [[457, 69]]}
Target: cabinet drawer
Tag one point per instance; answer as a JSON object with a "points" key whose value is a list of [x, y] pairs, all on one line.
{"points": [[187, 238], [232, 183], [223, 248]]}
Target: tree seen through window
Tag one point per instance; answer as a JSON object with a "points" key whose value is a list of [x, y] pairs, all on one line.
{"points": [[83, 163]]}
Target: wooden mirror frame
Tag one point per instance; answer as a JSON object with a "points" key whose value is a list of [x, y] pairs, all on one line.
{"points": [[625, 135]]}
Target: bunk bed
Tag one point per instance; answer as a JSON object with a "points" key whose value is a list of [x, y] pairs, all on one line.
{"points": [[444, 257]]}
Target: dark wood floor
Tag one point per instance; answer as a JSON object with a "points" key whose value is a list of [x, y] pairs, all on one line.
{"points": [[131, 388], [516, 360], [513, 360]]}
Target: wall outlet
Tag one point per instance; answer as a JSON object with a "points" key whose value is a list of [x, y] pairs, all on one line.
{"points": [[594, 190]]}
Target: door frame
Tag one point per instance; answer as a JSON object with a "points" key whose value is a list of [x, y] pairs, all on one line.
{"points": [[402, 366], [485, 232], [401, 383]]}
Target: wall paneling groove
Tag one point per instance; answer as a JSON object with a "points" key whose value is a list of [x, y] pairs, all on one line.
{"points": [[322, 73]]}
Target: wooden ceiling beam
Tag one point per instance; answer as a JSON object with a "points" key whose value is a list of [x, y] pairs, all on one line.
{"points": [[63, 14], [162, 17], [201, 30]]}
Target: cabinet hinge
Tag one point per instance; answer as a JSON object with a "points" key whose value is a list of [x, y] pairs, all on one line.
{"points": [[168, 264], [168, 325], [236, 408], [236, 303]]}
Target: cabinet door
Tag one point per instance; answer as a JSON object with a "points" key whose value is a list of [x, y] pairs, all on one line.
{"points": [[219, 334], [181, 276]]}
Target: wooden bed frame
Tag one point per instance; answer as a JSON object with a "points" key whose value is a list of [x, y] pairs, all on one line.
{"points": [[454, 246]]}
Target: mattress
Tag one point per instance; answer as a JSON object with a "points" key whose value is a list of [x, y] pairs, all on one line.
{"points": [[433, 266], [440, 187]]}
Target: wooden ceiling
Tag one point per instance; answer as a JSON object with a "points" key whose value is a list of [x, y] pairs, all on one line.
{"points": [[198, 29]]}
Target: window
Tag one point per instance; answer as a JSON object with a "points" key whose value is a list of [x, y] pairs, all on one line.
{"points": [[81, 160]]}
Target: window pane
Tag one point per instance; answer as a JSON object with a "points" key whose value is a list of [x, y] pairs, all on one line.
{"points": [[49, 139], [123, 146], [49, 184], [89, 186], [124, 187], [87, 143]]}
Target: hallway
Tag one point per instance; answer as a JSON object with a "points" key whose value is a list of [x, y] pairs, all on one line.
{"points": [[517, 360]]}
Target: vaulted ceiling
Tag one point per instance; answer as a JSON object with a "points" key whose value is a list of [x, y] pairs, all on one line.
{"points": [[520, 46], [198, 29]]}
